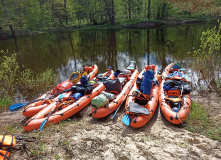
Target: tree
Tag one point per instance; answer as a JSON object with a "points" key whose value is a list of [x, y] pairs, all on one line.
{"points": [[8, 18], [148, 14]]}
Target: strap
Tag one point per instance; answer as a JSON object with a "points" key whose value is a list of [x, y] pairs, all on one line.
{"points": [[1, 143], [25, 138]]}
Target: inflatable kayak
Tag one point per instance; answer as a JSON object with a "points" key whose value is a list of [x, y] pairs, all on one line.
{"points": [[48, 97], [140, 108], [120, 95], [63, 109], [174, 94]]}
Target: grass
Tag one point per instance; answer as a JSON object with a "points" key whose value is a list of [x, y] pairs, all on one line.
{"points": [[200, 122], [5, 101]]}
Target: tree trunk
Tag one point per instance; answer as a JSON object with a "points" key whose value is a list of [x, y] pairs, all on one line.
{"points": [[158, 12], [65, 11], [52, 10], [163, 13], [148, 14], [8, 18], [110, 10], [129, 9], [148, 47], [112, 18]]}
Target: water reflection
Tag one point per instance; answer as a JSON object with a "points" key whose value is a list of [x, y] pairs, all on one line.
{"points": [[66, 52]]}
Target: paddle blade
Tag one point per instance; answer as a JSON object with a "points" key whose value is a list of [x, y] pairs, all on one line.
{"points": [[43, 124], [16, 106], [126, 120], [182, 69]]}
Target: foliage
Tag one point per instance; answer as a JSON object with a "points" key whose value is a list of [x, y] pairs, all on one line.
{"points": [[25, 82], [189, 7], [207, 57], [199, 122], [37, 83], [9, 68], [5, 101], [58, 13]]}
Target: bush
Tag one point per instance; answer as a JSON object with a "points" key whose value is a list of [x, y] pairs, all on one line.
{"points": [[207, 58], [26, 82]]}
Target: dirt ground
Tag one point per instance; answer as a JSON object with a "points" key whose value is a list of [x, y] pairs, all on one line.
{"points": [[83, 137]]}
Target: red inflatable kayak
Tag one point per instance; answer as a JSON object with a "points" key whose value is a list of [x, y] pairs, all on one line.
{"points": [[35, 107], [113, 105], [150, 103], [174, 104], [64, 110]]}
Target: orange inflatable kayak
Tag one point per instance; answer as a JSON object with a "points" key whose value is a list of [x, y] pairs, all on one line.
{"points": [[137, 120], [64, 110], [113, 105], [35, 107], [175, 101]]}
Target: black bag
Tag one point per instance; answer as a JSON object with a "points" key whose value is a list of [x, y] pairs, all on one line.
{"points": [[113, 85], [177, 85], [84, 89]]}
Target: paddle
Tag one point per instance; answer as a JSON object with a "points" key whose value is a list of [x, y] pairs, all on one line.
{"points": [[126, 119], [18, 106], [45, 121], [120, 105]]}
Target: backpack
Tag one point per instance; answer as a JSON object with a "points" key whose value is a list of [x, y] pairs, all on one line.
{"points": [[113, 85]]}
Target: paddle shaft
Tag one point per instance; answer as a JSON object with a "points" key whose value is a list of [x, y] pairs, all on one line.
{"points": [[120, 105], [45, 121]]}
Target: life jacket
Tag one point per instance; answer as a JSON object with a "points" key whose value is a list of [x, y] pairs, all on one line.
{"points": [[8, 142], [140, 98], [4, 155]]}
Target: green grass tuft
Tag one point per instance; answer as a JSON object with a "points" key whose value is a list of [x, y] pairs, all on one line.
{"points": [[199, 122], [5, 101]]}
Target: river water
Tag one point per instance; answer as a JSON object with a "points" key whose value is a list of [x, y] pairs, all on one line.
{"points": [[65, 52]]}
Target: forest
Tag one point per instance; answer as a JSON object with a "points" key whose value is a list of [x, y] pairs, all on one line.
{"points": [[45, 14]]}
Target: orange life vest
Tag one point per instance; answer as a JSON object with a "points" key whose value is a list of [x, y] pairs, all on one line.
{"points": [[7, 141], [4, 155]]}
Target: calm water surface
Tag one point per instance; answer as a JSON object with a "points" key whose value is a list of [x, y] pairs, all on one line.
{"points": [[66, 52]]}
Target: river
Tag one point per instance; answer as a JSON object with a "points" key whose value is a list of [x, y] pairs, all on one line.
{"points": [[65, 52]]}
